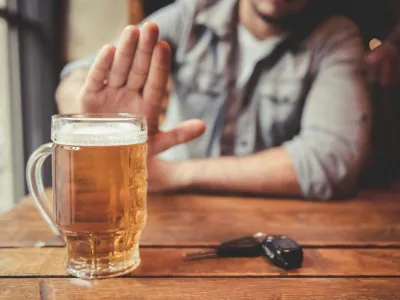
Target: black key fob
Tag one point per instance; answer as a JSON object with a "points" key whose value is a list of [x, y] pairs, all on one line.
{"points": [[244, 247], [283, 252]]}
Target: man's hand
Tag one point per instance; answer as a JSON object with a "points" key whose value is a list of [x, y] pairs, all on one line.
{"points": [[133, 79], [383, 65]]}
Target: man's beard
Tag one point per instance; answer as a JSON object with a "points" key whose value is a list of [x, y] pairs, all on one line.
{"points": [[281, 22]]}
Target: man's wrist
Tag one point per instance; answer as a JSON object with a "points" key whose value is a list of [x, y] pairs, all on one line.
{"points": [[186, 171], [67, 93]]}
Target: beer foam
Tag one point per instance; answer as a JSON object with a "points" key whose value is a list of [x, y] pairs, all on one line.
{"points": [[96, 134]]}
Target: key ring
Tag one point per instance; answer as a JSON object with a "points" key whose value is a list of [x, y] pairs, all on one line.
{"points": [[260, 236]]}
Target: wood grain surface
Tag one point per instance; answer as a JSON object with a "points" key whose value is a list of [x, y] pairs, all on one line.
{"points": [[187, 220], [352, 251], [194, 288], [168, 262]]}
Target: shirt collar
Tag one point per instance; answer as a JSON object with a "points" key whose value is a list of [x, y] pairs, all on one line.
{"points": [[218, 16], [221, 16]]}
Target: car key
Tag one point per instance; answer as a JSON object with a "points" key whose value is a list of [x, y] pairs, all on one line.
{"points": [[283, 252], [249, 246]]}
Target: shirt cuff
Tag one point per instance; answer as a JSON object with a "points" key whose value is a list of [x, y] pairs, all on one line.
{"points": [[322, 174], [85, 63]]}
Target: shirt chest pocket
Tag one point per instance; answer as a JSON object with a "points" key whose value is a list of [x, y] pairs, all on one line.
{"points": [[281, 100], [280, 109], [199, 90]]}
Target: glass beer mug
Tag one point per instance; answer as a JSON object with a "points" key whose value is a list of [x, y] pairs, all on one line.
{"points": [[99, 166]]}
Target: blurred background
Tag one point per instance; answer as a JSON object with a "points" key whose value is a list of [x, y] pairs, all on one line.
{"points": [[37, 38]]}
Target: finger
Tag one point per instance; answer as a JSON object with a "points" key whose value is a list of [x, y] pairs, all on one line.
{"points": [[141, 62], [123, 57], [373, 56], [156, 85], [185, 132], [100, 69]]}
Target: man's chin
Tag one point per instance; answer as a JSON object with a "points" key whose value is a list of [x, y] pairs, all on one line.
{"points": [[271, 19], [276, 21]]}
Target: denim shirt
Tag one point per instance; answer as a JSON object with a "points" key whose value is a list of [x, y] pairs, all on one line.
{"points": [[307, 96]]}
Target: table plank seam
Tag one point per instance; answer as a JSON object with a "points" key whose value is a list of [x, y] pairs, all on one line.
{"points": [[343, 246], [216, 277], [183, 246]]}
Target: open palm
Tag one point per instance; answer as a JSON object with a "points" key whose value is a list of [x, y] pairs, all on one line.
{"points": [[132, 78]]}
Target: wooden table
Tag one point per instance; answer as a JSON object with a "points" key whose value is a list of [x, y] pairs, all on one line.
{"points": [[351, 251]]}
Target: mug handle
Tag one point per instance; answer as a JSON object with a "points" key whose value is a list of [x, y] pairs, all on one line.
{"points": [[35, 184]]}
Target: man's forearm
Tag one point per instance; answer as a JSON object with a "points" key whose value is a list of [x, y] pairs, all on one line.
{"points": [[267, 172], [67, 95]]}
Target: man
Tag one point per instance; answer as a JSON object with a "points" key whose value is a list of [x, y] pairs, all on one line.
{"points": [[278, 89], [152, 6], [377, 19]]}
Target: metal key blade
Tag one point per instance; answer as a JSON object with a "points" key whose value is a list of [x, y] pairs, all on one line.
{"points": [[201, 255], [248, 246]]}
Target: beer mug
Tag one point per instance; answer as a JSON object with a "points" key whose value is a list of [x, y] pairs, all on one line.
{"points": [[99, 164]]}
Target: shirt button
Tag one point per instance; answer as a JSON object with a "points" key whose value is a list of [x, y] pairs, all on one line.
{"points": [[243, 143]]}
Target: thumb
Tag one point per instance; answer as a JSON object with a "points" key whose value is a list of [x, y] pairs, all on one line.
{"points": [[372, 57], [183, 133]]}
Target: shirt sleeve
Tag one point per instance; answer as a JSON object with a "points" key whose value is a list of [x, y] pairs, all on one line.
{"points": [[170, 20], [333, 144]]}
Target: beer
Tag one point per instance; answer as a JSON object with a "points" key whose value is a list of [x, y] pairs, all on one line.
{"points": [[100, 190]]}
